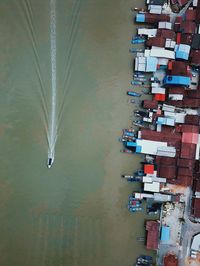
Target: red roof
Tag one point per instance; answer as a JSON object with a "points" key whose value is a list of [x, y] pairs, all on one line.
{"points": [[156, 41], [184, 180], [185, 163], [170, 260], [165, 33], [193, 103], [182, 2], [165, 160], [150, 104], [189, 128], [193, 94], [185, 171], [195, 56], [186, 38], [197, 185], [190, 14], [155, 18], [148, 168], [188, 151], [159, 97], [197, 19], [152, 228], [188, 27], [178, 68], [190, 137], [176, 90], [196, 207], [192, 119], [167, 171]]}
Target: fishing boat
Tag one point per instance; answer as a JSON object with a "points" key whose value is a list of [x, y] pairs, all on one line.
{"points": [[136, 50], [138, 76], [134, 94], [137, 40], [128, 130], [128, 134], [135, 209], [139, 83], [126, 151]]}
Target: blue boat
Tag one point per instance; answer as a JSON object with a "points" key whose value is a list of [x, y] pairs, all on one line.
{"points": [[135, 209], [136, 41], [134, 94], [128, 134], [140, 83], [139, 173]]}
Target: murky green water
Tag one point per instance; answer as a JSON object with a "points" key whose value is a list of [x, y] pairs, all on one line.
{"points": [[75, 213]]}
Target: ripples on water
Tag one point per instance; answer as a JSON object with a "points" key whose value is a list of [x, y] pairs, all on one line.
{"points": [[76, 213]]}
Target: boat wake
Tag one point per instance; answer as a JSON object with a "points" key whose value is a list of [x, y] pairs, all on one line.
{"points": [[52, 129]]}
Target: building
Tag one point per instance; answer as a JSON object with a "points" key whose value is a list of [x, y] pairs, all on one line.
{"points": [[170, 260], [152, 228], [195, 246]]}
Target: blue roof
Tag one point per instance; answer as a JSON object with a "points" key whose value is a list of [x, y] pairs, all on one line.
{"points": [[151, 64], [140, 18], [131, 144], [177, 80], [182, 55], [165, 233]]}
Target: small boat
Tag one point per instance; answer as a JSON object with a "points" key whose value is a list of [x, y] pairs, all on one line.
{"points": [[128, 130], [135, 209], [135, 50], [134, 94], [139, 83], [137, 40], [50, 162], [140, 239], [138, 76], [126, 151], [139, 173], [139, 79], [128, 134], [127, 176], [146, 257]]}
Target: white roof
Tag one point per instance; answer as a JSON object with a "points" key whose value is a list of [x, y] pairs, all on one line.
{"points": [[162, 53], [176, 97], [166, 151], [167, 107], [195, 2], [165, 25], [162, 197], [143, 195], [158, 90], [152, 187], [179, 117], [148, 32], [155, 9], [150, 146], [163, 61], [196, 243], [169, 43]]}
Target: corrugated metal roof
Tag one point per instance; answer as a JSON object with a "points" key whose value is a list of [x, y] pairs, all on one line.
{"points": [[167, 171], [188, 151], [170, 260], [188, 27], [196, 207], [150, 104], [195, 55], [156, 41], [152, 228], [190, 14]]}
